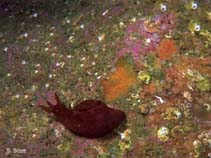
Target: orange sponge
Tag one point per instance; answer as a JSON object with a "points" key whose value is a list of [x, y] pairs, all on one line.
{"points": [[120, 81], [166, 49]]}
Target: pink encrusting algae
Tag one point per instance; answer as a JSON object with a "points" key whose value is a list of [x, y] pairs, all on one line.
{"points": [[144, 35]]}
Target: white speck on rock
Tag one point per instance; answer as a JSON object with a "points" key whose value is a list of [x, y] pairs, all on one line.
{"points": [[160, 99], [105, 12], [5, 49], [34, 15]]}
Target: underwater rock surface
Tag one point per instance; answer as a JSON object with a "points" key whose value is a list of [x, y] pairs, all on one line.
{"points": [[73, 47]]}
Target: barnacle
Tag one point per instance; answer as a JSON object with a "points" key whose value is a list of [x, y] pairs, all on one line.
{"points": [[179, 129], [192, 5], [163, 133], [194, 26], [187, 112], [202, 81], [207, 106], [172, 113], [194, 75], [202, 145], [125, 145], [197, 147], [144, 77], [204, 85], [163, 7]]}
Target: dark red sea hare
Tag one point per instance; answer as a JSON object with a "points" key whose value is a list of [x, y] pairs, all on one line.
{"points": [[90, 118]]}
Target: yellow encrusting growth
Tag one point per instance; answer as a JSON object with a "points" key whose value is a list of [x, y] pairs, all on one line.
{"points": [[120, 81]]}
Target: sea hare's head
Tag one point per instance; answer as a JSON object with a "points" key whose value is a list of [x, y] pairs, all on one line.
{"points": [[50, 103]]}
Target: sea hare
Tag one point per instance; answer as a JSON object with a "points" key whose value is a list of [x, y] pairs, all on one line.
{"points": [[90, 118]]}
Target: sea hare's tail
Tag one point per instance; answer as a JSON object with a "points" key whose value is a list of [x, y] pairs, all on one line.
{"points": [[51, 103]]}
